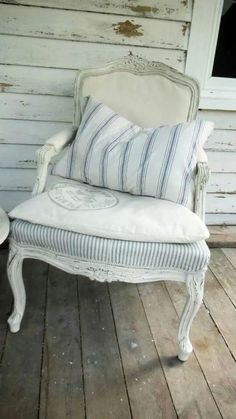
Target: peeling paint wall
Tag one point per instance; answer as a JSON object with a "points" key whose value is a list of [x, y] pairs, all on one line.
{"points": [[41, 49]]}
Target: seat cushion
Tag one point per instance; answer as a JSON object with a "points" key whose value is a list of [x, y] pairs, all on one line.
{"points": [[187, 257], [74, 206], [111, 152]]}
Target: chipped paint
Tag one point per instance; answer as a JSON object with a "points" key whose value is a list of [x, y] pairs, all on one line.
{"points": [[184, 3], [3, 86], [128, 29], [143, 9], [184, 28]]}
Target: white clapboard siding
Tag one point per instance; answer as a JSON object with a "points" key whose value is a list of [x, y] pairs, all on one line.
{"points": [[9, 199], [36, 107], [219, 219], [37, 80], [17, 156], [222, 182], [36, 52], [163, 9], [222, 140], [221, 161], [19, 131], [17, 179], [221, 203], [222, 119], [93, 27]]}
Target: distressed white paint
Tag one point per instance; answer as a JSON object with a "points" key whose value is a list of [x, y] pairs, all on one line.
{"points": [[222, 182], [92, 27], [36, 107], [19, 131], [222, 140], [163, 9], [40, 52], [17, 156]]}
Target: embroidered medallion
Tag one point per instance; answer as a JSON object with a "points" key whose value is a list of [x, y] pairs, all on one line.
{"points": [[79, 196]]}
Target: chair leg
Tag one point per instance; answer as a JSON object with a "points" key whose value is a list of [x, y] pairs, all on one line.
{"points": [[14, 270], [195, 286]]}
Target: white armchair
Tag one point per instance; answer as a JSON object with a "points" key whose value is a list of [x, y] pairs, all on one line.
{"points": [[123, 85]]}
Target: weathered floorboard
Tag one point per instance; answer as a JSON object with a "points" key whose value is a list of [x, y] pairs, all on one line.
{"points": [[147, 388], [62, 394], [21, 364], [215, 359], [189, 390], [224, 272], [5, 300], [105, 390], [221, 310], [231, 255]]}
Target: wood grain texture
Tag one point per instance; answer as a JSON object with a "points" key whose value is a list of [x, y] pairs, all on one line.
{"points": [[105, 389], [221, 161], [231, 255], [21, 364], [222, 236], [164, 9], [18, 156], [214, 357], [5, 301], [189, 400], [221, 310], [222, 182], [147, 387], [21, 131], [220, 203], [225, 273], [92, 27], [17, 179], [62, 393], [36, 107], [220, 219], [21, 50], [222, 140]]}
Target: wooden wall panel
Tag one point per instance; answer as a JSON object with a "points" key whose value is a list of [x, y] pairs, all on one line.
{"points": [[40, 52], [93, 27], [19, 131], [161, 9]]}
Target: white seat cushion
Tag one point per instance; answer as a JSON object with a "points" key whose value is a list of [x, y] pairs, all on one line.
{"points": [[81, 208]]}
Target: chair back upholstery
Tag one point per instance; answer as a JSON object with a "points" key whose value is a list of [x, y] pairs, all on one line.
{"points": [[147, 93]]}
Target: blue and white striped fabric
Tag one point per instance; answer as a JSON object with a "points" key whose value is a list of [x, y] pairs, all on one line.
{"points": [[109, 151], [189, 257]]}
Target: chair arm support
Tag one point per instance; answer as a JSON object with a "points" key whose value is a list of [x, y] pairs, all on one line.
{"points": [[53, 146], [202, 176]]}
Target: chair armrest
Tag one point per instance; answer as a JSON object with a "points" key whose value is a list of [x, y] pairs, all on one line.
{"points": [[53, 146], [202, 176]]}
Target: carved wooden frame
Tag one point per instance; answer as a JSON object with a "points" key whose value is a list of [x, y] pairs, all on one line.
{"points": [[107, 272]]}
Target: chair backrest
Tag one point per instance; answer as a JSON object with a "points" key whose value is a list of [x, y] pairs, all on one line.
{"points": [[147, 93]]}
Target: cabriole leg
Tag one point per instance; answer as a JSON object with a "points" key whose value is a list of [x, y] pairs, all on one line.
{"points": [[14, 270], [195, 286]]}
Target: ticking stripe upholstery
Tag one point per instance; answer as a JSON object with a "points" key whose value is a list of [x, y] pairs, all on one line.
{"points": [[188, 257], [109, 151]]}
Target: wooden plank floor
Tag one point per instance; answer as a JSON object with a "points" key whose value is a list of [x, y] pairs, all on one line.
{"points": [[89, 350]]}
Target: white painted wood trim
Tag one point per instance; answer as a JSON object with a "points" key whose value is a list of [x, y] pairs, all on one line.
{"points": [[216, 92]]}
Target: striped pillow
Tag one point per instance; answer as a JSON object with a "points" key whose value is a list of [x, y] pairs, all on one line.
{"points": [[110, 151]]}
